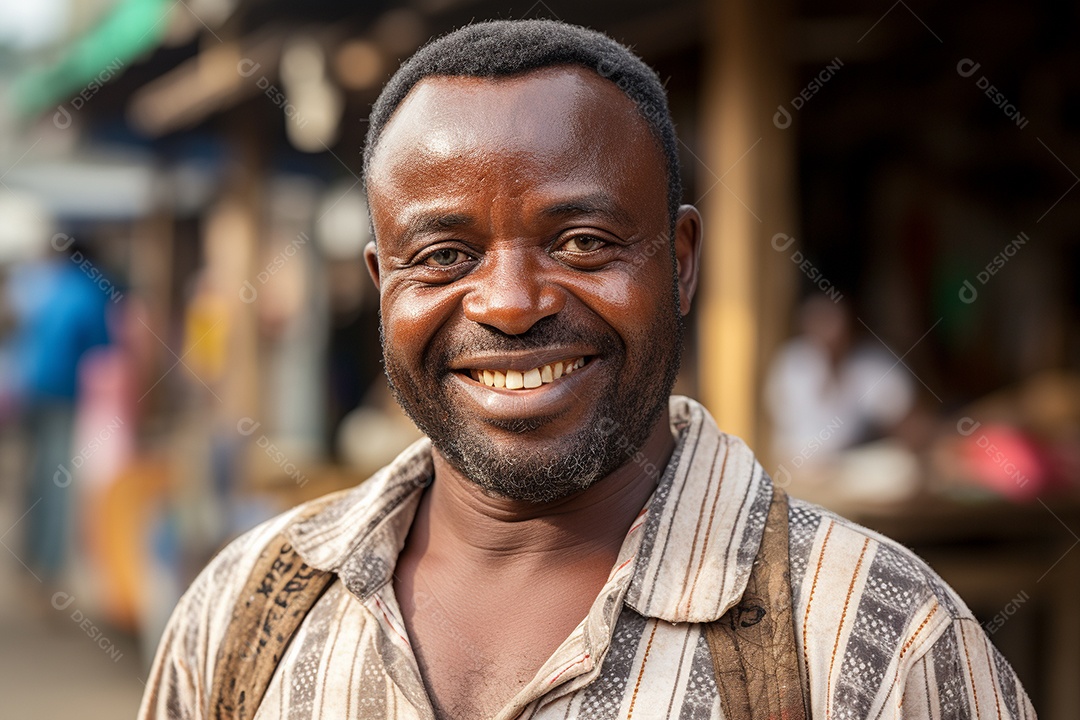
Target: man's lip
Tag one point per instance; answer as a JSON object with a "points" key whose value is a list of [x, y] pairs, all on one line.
{"points": [[520, 361], [547, 400]]}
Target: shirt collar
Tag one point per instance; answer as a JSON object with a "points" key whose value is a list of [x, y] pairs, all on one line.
{"points": [[359, 535], [704, 524], [699, 540]]}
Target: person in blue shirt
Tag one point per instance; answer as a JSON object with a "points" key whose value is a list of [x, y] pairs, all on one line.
{"points": [[60, 306]]}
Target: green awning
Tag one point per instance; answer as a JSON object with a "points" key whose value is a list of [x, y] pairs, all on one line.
{"points": [[131, 28]]}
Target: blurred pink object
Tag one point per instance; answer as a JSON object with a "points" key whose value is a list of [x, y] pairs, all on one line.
{"points": [[104, 426], [1002, 459]]}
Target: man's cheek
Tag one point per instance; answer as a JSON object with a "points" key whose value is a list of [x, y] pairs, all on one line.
{"points": [[404, 322], [418, 310]]}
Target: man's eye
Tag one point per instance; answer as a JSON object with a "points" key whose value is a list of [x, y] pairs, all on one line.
{"points": [[445, 257], [583, 244]]}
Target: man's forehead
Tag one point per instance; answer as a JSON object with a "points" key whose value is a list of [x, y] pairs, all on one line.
{"points": [[549, 110], [552, 81]]}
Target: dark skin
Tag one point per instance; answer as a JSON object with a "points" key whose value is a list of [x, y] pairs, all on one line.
{"points": [[503, 203]]}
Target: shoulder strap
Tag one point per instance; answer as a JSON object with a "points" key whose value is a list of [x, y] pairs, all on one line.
{"points": [[753, 644], [278, 594]]}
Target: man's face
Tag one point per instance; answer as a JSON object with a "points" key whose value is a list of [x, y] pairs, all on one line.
{"points": [[530, 307]]}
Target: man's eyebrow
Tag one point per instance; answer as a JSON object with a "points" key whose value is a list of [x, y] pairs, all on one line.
{"points": [[433, 222], [598, 204]]}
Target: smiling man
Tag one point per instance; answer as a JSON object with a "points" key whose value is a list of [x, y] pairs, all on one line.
{"points": [[569, 541]]}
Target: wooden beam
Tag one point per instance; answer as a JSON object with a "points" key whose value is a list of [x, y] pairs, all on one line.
{"points": [[747, 188]]}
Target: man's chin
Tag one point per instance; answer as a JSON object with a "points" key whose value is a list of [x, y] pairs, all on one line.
{"points": [[521, 429], [523, 465]]}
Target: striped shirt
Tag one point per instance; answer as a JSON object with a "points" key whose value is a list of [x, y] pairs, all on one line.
{"points": [[879, 634]]}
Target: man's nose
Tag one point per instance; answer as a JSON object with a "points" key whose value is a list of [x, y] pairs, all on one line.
{"points": [[511, 292]]}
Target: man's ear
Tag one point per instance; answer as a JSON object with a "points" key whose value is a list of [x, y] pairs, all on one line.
{"points": [[371, 258], [687, 254]]}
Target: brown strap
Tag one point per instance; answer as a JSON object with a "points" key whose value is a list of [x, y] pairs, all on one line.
{"points": [[278, 594], [753, 644]]}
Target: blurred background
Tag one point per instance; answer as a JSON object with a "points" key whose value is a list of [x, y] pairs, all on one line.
{"points": [[889, 310]]}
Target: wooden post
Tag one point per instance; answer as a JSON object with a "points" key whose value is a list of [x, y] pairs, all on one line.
{"points": [[747, 189]]}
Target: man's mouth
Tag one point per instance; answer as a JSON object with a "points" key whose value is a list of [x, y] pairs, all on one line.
{"points": [[527, 379]]}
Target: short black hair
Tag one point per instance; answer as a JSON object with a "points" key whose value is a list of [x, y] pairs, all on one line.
{"points": [[501, 48]]}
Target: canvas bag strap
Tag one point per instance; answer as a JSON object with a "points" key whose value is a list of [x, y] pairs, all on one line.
{"points": [[278, 594], [753, 649]]}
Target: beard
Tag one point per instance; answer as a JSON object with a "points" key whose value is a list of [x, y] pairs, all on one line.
{"points": [[621, 416]]}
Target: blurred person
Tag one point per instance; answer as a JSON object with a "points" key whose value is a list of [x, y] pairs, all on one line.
{"points": [[826, 392], [569, 540], [60, 307]]}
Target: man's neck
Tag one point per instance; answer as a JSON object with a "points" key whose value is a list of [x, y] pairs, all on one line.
{"points": [[465, 523]]}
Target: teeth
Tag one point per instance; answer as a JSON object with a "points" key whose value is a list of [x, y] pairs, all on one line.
{"points": [[517, 380]]}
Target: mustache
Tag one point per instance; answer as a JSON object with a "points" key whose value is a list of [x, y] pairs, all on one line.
{"points": [[546, 333]]}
